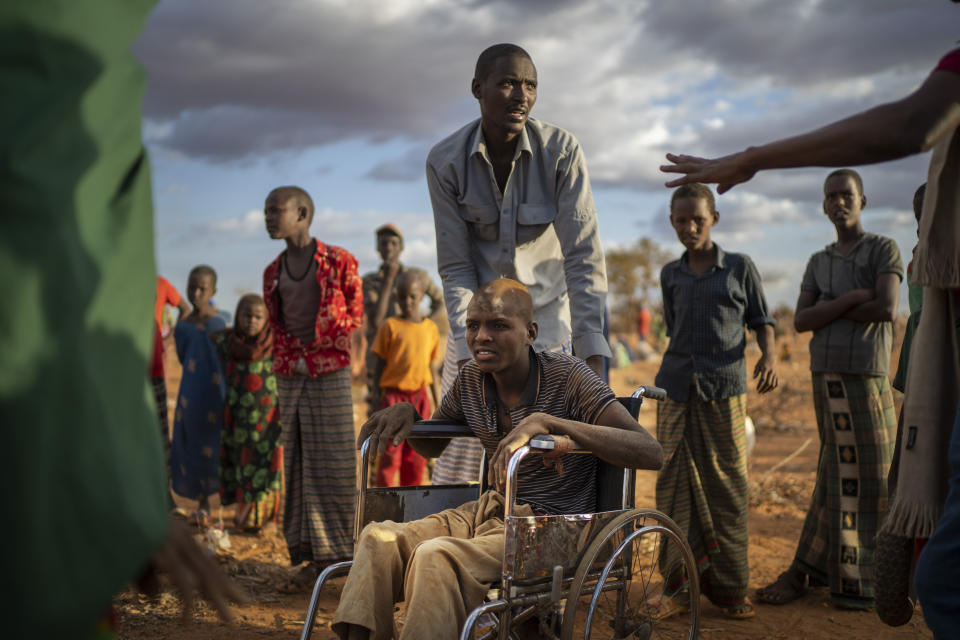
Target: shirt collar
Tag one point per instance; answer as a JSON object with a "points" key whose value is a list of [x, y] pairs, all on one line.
{"points": [[478, 146], [531, 388], [832, 247], [719, 261]]}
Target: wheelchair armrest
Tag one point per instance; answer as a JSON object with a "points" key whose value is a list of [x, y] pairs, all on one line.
{"points": [[440, 429], [431, 429], [545, 443], [649, 391]]}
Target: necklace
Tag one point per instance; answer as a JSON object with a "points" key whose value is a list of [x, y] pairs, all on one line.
{"points": [[286, 265]]}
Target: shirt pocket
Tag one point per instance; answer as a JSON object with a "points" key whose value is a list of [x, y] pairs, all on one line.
{"points": [[533, 220], [483, 221]]}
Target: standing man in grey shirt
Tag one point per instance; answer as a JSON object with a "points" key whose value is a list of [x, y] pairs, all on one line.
{"points": [[511, 198]]}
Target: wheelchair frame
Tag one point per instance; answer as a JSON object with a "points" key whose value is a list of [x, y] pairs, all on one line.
{"points": [[531, 578]]}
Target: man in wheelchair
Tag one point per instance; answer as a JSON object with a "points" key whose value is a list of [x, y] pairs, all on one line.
{"points": [[442, 565]]}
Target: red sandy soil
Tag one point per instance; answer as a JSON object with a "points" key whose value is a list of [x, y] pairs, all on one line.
{"points": [[785, 421]]}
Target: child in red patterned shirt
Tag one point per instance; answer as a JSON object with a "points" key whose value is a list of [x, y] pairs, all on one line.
{"points": [[313, 296]]}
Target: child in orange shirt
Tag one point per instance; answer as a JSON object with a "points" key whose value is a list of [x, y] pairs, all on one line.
{"points": [[405, 353]]}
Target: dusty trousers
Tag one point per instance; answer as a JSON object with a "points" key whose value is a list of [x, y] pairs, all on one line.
{"points": [[441, 566]]}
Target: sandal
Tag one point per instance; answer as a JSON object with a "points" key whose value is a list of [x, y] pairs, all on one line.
{"points": [[200, 518], [789, 586], [742, 611], [666, 608]]}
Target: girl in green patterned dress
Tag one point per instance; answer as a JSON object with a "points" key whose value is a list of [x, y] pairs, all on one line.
{"points": [[250, 453]]}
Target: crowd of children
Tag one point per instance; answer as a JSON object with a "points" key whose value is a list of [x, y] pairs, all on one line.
{"points": [[276, 387]]}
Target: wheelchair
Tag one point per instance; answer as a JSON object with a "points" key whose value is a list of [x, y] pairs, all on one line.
{"points": [[594, 575]]}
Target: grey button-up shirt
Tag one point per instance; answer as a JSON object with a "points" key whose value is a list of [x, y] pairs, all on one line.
{"points": [[706, 315], [541, 231], [845, 346]]}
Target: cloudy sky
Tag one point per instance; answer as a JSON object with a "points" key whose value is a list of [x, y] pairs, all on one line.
{"points": [[345, 98]]}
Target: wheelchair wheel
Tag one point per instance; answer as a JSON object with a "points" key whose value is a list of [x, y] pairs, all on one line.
{"points": [[633, 570]]}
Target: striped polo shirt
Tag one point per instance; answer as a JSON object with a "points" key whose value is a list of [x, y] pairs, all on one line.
{"points": [[558, 385]]}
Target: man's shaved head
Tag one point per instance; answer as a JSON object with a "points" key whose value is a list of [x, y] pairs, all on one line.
{"points": [[300, 197], [491, 54], [508, 296]]}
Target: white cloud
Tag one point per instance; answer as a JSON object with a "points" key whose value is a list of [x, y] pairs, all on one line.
{"points": [[247, 225], [745, 217], [352, 229]]}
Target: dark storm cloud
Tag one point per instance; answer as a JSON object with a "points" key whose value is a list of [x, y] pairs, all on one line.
{"points": [[233, 79], [234, 131], [807, 42], [282, 69], [405, 168]]}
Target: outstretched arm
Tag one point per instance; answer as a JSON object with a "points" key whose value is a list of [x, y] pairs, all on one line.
{"points": [[759, 319], [616, 438], [458, 273], [894, 130], [351, 285], [385, 292], [584, 267], [765, 372], [184, 308]]}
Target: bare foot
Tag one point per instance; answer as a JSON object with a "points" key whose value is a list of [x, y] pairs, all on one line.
{"points": [[788, 587]]}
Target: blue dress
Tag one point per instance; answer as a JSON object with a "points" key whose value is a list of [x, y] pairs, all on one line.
{"points": [[195, 448]]}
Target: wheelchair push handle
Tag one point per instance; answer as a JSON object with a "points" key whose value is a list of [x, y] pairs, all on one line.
{"points": [[649, 391], [430, 429], [544, 443]]}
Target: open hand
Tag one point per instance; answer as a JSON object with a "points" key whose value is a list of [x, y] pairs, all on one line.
{"points": [[766, 371], [533, 425], [725, 172], [190, 570], [388, 426]]}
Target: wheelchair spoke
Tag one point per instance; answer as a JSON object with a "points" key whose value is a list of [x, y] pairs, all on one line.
{"points": [[631, 608], [646, 585], [645, 554]]}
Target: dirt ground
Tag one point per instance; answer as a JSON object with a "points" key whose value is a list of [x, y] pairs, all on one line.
{"points": [[785, 425]]}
